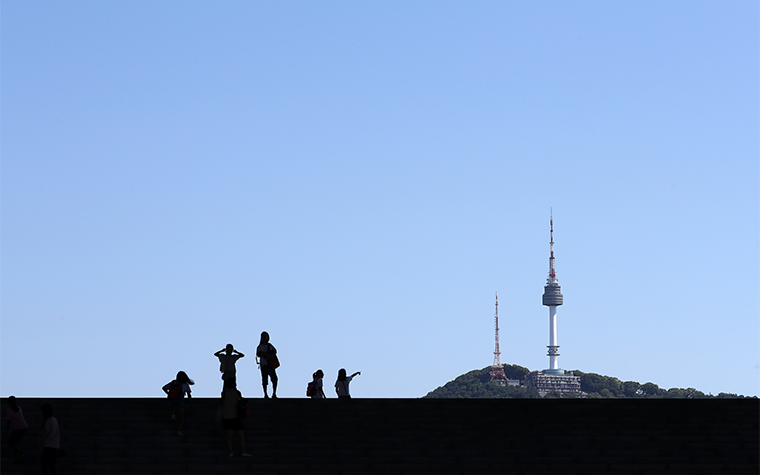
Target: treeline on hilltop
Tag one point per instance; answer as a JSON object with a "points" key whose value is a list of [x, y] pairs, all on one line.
{"points": [[476, 384]]}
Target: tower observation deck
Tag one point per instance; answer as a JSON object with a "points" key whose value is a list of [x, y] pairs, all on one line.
{"points": [[552, 293]]}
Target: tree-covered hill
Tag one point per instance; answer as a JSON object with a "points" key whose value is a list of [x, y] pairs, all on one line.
{"points": [[476, 384]]}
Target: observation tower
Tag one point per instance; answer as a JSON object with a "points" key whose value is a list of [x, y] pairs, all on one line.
{"points": [[553, 379], [552, 298]]}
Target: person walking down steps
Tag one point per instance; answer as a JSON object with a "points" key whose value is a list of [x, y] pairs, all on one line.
{"points": [[232, 407], [227, 358], [16, 426], [341, 385], [268, 363], [175, 391], [51, 440]]}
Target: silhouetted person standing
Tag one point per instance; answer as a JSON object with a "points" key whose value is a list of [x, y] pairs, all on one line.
{"points": [[341, 385], [232, 420], [268, 362], [16, 427], [175, 391], [227, 358], [51, 440], [317, 383]]}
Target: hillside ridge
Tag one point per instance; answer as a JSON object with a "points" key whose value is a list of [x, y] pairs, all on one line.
{"points": [[477, 384]]}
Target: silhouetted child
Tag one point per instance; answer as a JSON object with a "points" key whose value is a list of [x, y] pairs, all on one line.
{"points": [[268, 362], [227, 358], [232, 419], [341, 385], [16, 426], [175, 391], [51, 440]]}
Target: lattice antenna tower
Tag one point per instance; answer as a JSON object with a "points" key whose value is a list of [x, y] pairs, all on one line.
{"points": [[497, 370]]}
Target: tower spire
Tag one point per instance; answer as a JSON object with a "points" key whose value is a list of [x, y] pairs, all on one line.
{"points": [[497, 370], [552, 272]]}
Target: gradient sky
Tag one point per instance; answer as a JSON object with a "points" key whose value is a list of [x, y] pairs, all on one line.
{"points": [[360, 178]]}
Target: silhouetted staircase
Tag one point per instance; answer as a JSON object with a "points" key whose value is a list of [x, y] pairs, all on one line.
{"points": [[447, 436]]}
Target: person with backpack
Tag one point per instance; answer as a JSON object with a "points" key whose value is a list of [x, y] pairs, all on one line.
{"points": [[341, 385], [314, 389], [227, 358], [268, 363], [175, 391], [16, 426], [234, 410]]}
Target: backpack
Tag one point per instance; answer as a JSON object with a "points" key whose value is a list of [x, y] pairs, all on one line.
{"points": [[311, 389], [243, 406], [175, 390]]}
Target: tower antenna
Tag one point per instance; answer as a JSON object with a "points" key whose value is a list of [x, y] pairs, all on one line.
{"points": [[552, 271], [497, 370]]}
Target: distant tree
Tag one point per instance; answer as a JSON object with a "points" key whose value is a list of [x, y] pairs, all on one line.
{"points": [[674, 393], [651, 389], [733, 396], [691, 393], [532, 393], [607, 394], [632, 389], [515, 371], [592, 382]]}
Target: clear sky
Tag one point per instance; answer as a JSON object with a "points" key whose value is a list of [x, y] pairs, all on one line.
{"points": [[360, 178]]}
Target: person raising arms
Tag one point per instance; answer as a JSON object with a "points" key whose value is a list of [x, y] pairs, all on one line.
{"points": [[341, 385], [227, 358]]}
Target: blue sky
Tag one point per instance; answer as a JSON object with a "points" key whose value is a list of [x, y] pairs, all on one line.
{"points": [[359, 179]]}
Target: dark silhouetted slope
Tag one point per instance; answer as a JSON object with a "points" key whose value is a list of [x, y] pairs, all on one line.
{"points": [[447, 436]]}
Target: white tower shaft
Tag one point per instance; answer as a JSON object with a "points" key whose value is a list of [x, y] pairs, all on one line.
{"points": [[553, 346]]}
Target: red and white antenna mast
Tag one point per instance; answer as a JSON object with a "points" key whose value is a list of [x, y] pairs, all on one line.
{"points": [[552, 272], [497, 370]]}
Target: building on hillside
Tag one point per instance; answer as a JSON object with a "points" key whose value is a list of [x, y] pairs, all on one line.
{"points": [[546, 382]]}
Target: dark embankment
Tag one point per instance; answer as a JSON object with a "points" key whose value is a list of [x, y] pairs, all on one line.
{"points": [[447, 436]]}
